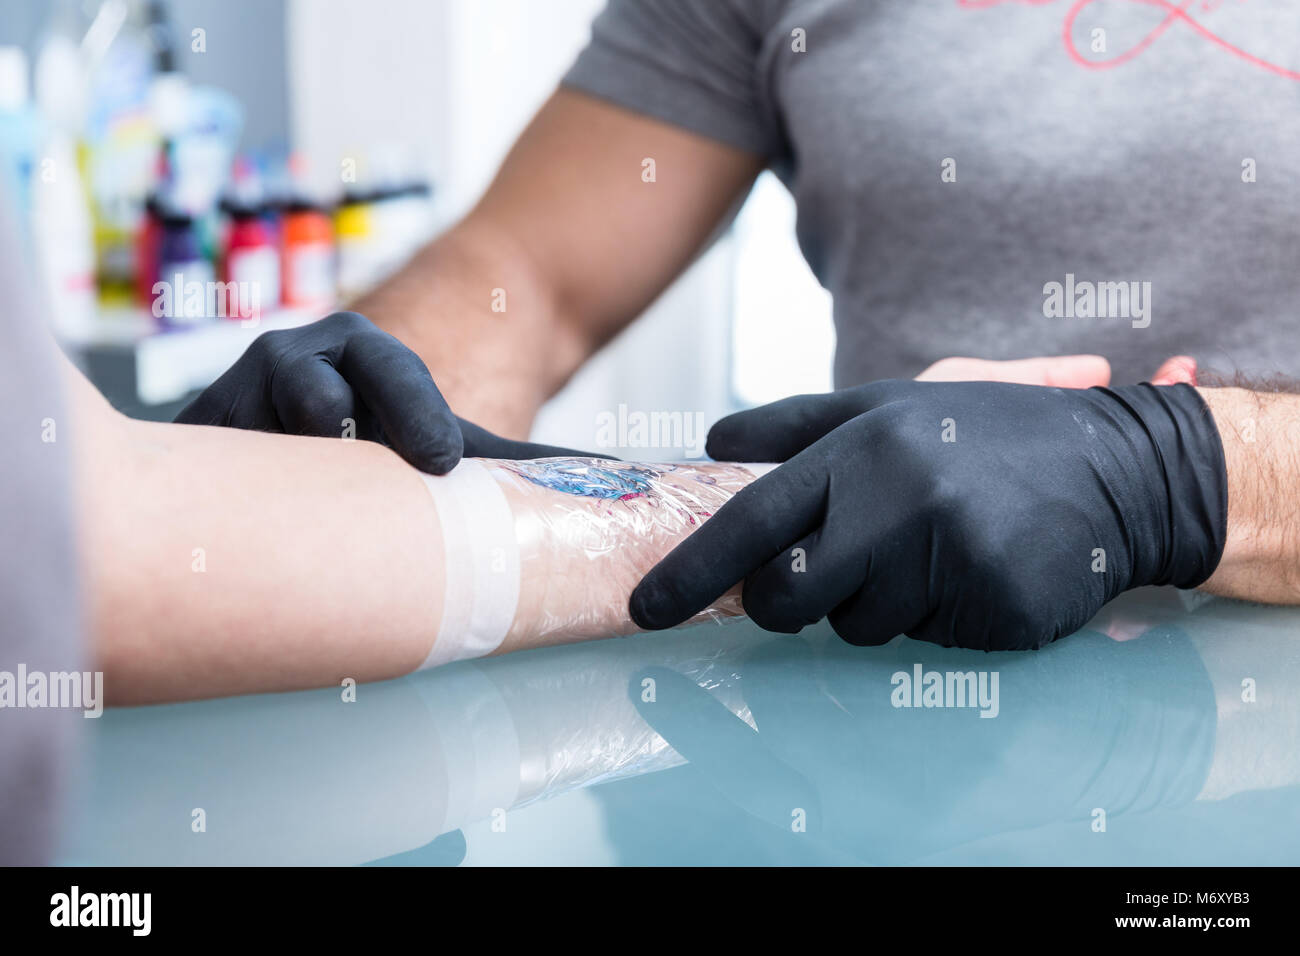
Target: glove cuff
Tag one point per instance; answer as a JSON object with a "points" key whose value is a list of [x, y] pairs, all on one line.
{"points": [[1186, 441]]}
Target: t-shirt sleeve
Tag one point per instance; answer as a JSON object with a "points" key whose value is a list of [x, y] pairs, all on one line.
{"points": [[692, 63]]}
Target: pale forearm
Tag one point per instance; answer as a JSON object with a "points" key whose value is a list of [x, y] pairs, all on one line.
{"points": [[1261, 443], [222, 561]]}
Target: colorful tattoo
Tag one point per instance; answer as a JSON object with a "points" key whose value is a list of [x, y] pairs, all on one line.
{"points": [[587, 477]]}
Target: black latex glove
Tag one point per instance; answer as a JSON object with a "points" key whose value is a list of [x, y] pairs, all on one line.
{"points": [[988, 541], [307, 380]]}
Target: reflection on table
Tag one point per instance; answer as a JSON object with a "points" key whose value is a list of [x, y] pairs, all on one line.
{"points": [[1164, 733]]}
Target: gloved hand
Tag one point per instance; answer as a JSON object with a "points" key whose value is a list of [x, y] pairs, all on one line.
{"points": [[976, 514], [308, 380]]}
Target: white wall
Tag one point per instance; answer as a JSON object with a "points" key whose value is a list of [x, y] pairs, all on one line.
{"points": [[783, 337], [368, 73]]}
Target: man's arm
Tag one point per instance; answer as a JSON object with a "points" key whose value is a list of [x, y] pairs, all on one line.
{"points": [[578, 242], [1260, 432], [979, 514]]}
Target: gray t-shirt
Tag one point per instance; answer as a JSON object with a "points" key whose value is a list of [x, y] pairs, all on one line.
{"points": [[39, 609], [951, 159]]}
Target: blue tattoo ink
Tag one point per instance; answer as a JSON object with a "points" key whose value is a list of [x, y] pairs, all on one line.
{"points": [[587, 478]]}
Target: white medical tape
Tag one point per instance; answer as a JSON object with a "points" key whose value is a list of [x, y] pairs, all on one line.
{"points": [[481, 564]]}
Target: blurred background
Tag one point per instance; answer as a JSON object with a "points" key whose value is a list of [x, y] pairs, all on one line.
{"points": [[268, 160]]}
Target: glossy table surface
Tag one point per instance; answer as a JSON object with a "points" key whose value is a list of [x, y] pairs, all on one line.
{"points": [[1168, 732]]}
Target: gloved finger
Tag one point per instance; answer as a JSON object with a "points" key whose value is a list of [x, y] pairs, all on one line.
{"points": [[877, 612], [481, 443], [232, 400], [209, 407], [962, 630], [312, 398], [398, 390], [801, 584], [782, 429], [841, 570], [760, 522], [241, 396]]}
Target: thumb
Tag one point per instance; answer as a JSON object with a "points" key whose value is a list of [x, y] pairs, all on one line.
{"points": [[481, 443], [779, 431]]}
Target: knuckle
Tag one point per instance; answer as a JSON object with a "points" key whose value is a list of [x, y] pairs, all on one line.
{"points": [[349, 323], [268, 344], [323, 405], [850, 629], [947, 505]]}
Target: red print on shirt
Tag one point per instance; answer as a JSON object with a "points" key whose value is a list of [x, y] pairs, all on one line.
{"points": [[1175, 13]]}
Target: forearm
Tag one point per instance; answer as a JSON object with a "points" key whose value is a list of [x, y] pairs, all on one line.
{"points": [[1261, 443], [485, 320], [573, 240], [223, 561]]}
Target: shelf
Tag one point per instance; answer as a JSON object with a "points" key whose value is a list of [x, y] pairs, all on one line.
{"points": [[171, 363]]}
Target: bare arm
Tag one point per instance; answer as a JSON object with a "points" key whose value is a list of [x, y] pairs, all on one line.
{"points": [[1261, 445], [223, 561], [575, 239]]}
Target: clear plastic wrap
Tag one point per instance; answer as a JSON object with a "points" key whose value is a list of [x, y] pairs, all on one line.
{"points": [[581, 532], [427, 754]]}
